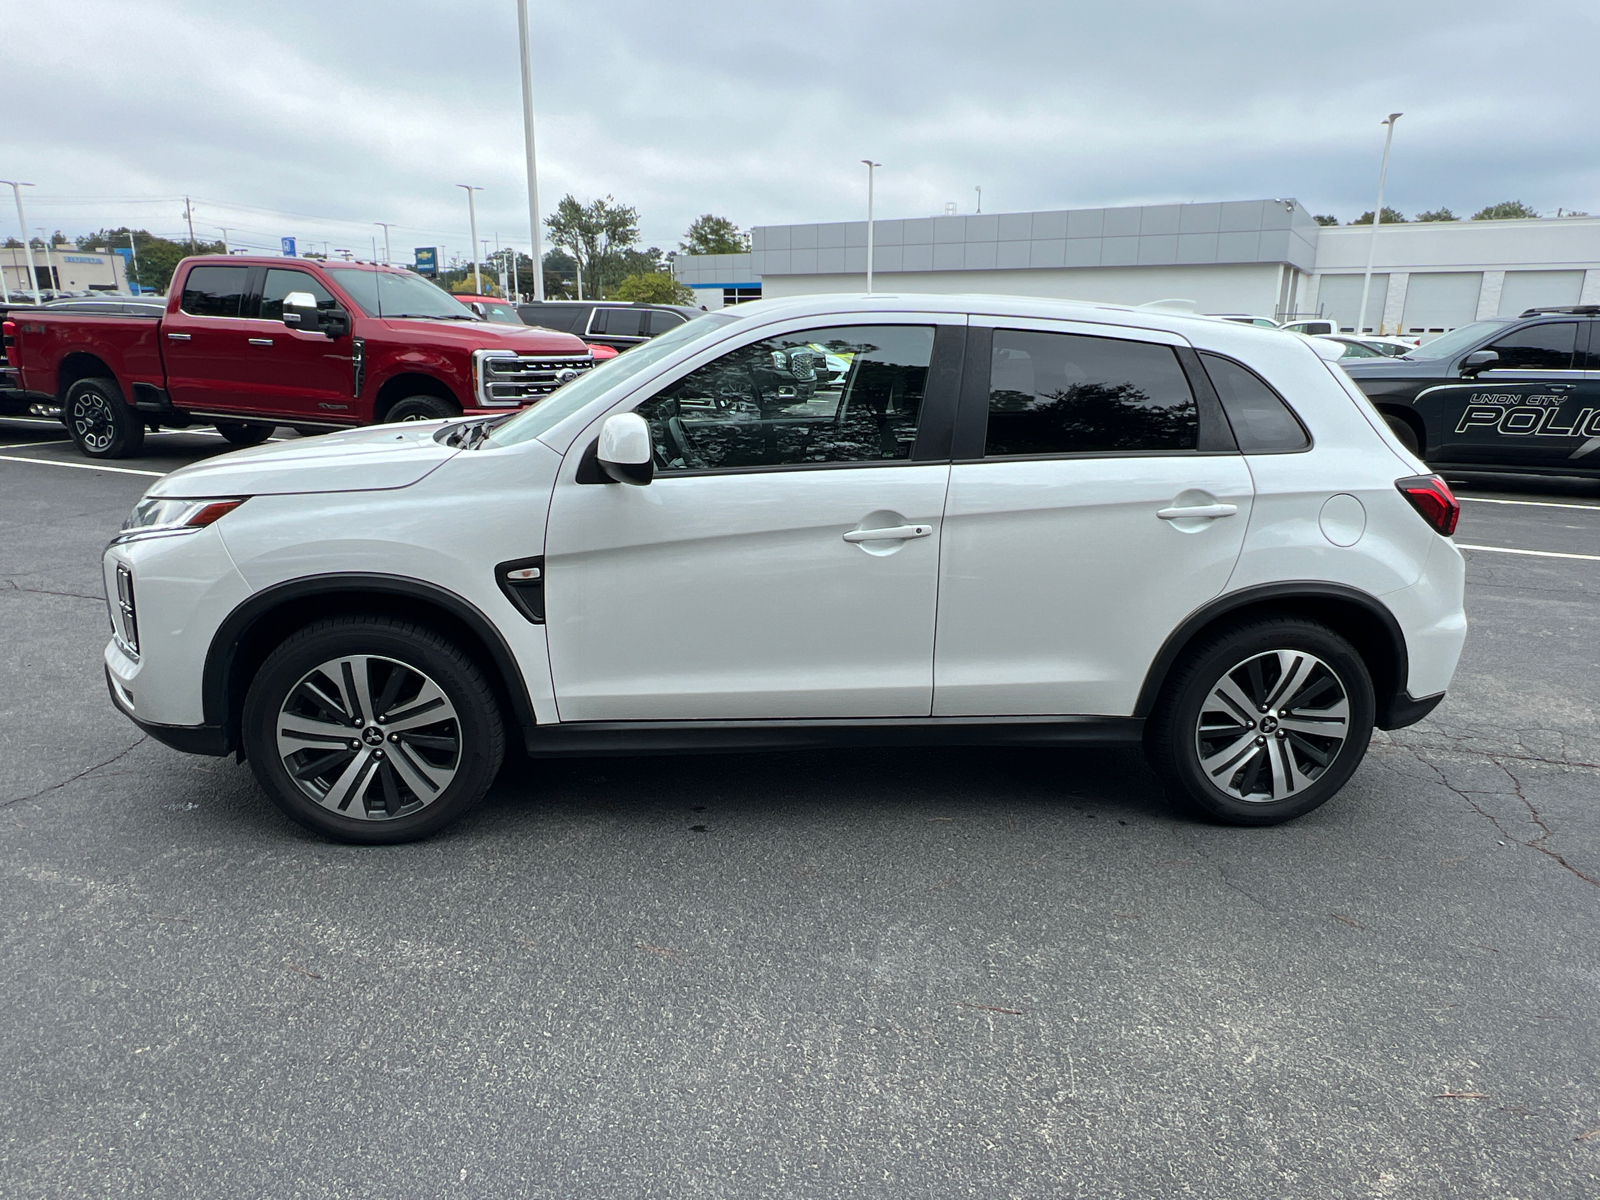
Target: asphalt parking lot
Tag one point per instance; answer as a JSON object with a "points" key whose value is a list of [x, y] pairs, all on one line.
{"points": [[866, 973]]}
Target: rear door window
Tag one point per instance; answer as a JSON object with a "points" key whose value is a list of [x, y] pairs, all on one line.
{"points": [[1062, 393], [619, 322], [1261, 421], [214, 291]]}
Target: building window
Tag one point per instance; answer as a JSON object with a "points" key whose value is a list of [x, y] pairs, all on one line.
{"points": [[740, 295]]}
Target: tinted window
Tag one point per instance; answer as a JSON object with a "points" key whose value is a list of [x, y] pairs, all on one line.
{"points": [[619, 322], [1260, 418], [1059, 393], [280, 283], [564, 318], [214, 291], [838, 395], [662, 320], [1536, 348]]}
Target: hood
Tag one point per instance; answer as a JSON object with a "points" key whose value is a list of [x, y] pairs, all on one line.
{"points": [[487, 335], [356, 460]]}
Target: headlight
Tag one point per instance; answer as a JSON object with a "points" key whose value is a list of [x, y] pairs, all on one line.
{"points": [[157, 516]]}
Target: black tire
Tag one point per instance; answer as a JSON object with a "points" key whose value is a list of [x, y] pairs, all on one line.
{"points": [[245, 433], [392, 811], [1275, 760], [101, 422], [311, 430], [421, 408], [1407, 435]]}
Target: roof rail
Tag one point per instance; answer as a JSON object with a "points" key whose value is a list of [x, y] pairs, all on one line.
{"points": [[1582, 310]]}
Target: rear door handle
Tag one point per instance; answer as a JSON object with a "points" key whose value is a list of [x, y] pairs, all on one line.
{"points": [[1197, 511], [179, 337], [260, 341], [894, 533]]}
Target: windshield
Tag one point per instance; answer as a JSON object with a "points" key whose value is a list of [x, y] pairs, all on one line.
{"points": [[398, 294], [569, 398], [501, 314], [1457, 340]]}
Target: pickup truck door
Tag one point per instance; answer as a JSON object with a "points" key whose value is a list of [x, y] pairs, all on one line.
{"points": [[205, 341], [308, 374]]}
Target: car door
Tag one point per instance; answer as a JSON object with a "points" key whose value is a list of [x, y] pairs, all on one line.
{"points": [[306, 373], [205, 340], [1097, 498], [783, 562], [1524, 409]]}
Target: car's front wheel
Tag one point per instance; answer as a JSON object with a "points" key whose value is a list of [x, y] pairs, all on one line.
{"points": [[372, 729], [421, 408], [1263, 722]]}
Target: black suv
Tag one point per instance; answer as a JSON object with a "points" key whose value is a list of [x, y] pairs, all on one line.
{"points": [[1507, 394], [607, 322]]}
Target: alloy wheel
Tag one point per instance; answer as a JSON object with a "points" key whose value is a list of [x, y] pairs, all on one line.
{"points": [[368, 737], [1271, 725], [94, 422]]}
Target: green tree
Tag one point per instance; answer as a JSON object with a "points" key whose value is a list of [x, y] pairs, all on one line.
{"points": [[714, 235], [1326, 219], [1391, 216], [593, 234], [158, 256], [1438, 214], [654, 287], [1506, 210]]}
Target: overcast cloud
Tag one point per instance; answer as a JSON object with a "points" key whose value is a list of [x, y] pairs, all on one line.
{"points": [[316, 119]]}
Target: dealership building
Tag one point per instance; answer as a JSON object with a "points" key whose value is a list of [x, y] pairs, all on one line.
{"points": [[62, 268], [1258, 257]]}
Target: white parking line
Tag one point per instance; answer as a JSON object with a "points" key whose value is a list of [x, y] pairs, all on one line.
{"points": [[47, 462], [1534, 553], [46, 442], [1529, 503]]}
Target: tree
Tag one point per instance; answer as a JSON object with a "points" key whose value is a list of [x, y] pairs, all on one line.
{"points": [[593, 234], [714, 235], [157, 256], [1326, 219], [1390, 217], [1438, 214], [560, 275], [1506, 210], [654, 287]]}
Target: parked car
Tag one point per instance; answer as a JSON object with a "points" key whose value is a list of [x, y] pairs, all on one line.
{"points": [[922, 520], [492, 308], [1515, 394], [1244, 319], [1352, 347], [608, 322], [247, 344]]}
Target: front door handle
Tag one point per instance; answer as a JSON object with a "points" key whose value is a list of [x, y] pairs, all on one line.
{"points": [[1197, 512], [894, 533], [179, 337], [260, 341]]}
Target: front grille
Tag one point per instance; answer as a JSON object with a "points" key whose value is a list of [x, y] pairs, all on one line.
{"points": [[506, 380], [126, 624]]}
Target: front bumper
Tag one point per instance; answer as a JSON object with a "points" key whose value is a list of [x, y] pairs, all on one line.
{"points": [[191, 739]]}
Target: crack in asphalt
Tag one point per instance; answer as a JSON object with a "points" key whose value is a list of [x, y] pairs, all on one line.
{"points": [[12, 585], [1545, 832], [74, 778]]}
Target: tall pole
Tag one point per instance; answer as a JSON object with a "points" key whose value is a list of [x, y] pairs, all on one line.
{"points": [[870, 168], [224, 229], [49, 261], [22, 224], [188, 215], [134, 251], [526, 52], [472, 218], [387, 260], [1372, 241], [979, 190]]}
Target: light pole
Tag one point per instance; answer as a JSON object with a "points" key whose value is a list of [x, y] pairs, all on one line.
{"points": [[49, 260], [472, 217], [871, 166], [224, 229], [1372, 242], [527, 136], [22, 223], [387, 261], [188, 215], [133, 251], [979, 190]]}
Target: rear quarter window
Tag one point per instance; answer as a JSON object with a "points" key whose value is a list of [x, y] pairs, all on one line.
{"points": [[214, 291], [1261, 420]]}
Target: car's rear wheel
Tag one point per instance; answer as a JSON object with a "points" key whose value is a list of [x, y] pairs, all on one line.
{"points": [[245, 433], [372, 729], [101, 422], [422, 408], [1263, 722]]}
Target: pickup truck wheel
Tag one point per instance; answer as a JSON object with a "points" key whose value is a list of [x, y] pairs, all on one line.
{"points": [[101, 422], [421, 408], [372, 729], [242, 433]]}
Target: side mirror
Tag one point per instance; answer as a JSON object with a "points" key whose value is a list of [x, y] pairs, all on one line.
{"points": [[336, 322], [478, 310], [1478, 360], [300, 311], [625, 453]]}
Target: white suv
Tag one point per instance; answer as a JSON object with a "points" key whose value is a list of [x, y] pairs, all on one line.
{"points": [[814, 521]]}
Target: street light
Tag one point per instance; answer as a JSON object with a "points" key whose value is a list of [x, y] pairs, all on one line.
{"points": [[387, 261], [472, 217], [871, 166], [1372, 242], [22, 223], [526, 55], [49, 260]]}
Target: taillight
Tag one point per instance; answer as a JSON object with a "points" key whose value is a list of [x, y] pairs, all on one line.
{"points": [[1433, 500]]}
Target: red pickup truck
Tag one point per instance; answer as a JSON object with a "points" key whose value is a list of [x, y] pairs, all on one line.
{"points": [[247, 344]]}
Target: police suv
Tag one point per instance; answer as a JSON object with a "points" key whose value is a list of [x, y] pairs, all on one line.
{"points": [[1506, 394]]}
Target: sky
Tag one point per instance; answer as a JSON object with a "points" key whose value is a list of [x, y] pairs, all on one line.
{"points": [[315, 120]]}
